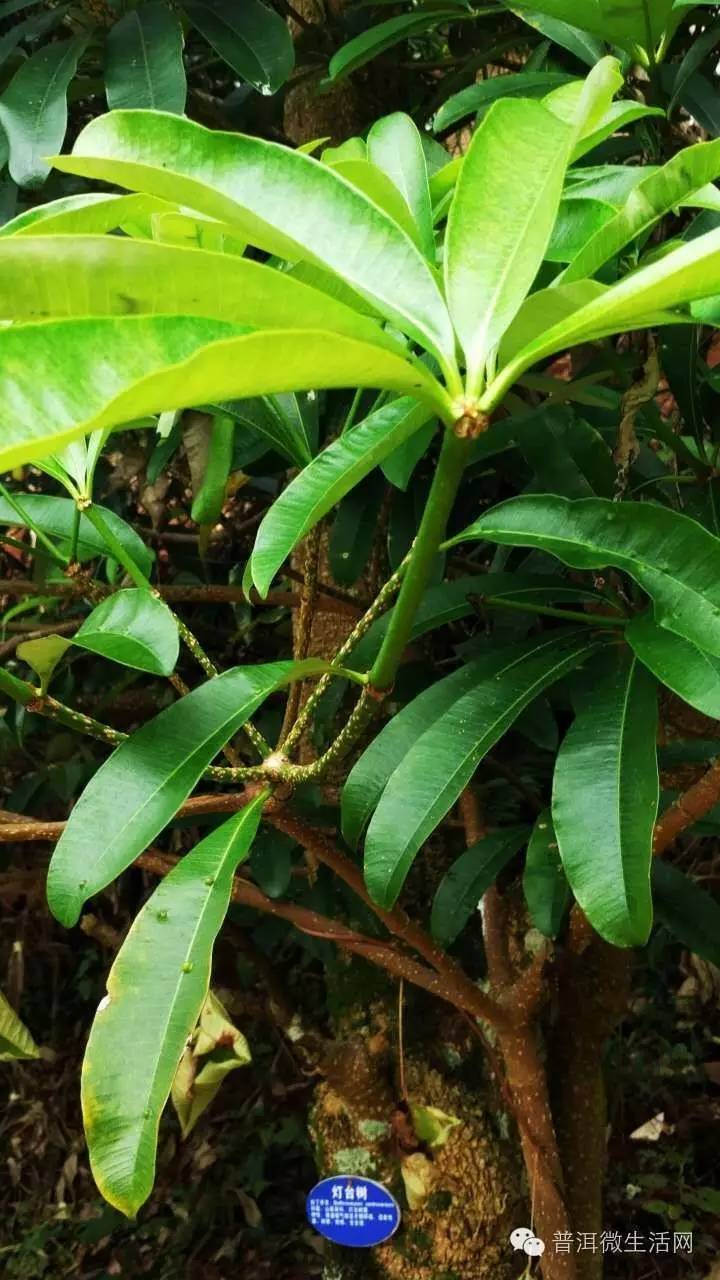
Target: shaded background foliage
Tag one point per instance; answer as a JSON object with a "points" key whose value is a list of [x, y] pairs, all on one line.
{"points": [[234, 1193]]}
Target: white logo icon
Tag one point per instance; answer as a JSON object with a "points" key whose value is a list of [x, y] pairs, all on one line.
{"points": [[526, 1240]]}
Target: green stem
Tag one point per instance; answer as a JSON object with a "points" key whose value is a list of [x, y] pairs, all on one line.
{"points": [[27, 695], [547, 611], [75, 534], [453, 457], [24, 519], [116, 549], [378, 607], [352, 411]]}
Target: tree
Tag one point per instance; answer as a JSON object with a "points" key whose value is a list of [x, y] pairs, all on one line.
{"points": [[442, 285]]}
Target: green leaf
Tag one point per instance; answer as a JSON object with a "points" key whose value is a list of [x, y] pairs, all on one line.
{"points": [[395, 146], [43, 655], [583, 104], [33, 109], [155, 992], [515, 163], [702, 45], [29, 29], [56, 517], [567, 455], [153, 771], [699, 98], [354, 530], [585, 47], [443, 759], [605, 799], [636, 22], [88, 214], [269, 416], [104, 275], [577, 222], [480, 96], [106, 371], [463, 597], [370, 775], [544, 309], [690, 672], [672, 557], [134, 628], [690, 272], [459, 892], [251, 38], [628, 23], [545, 885], [379, 188], [210, 496], [400, 464], [15, 1039], [616, 119], [332, 474], [280, 200], [653, 198], [369, 44], [686, 910], [144, 60]]}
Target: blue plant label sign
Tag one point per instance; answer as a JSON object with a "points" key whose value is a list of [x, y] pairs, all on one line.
{"points": [[353, 1211]]}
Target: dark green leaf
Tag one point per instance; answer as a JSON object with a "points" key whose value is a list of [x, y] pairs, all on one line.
{"points": [[369, 44], [354, 530], [567, 455], [143, 60], [672, 557], [687, 670], [605, 799], [478, 97], [153, 771], [135, 628], [210, 495], [585, 47], [55, 516], [443, 759], [460, 891], [332, 474], [545, 885], [700, 47], [33, 109], [253, 39], [368, 778], [690, 914], [400, 464]]}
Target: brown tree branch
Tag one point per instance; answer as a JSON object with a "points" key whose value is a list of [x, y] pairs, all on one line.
{"points": [[494, 916], [72, 588], [456, 987], [689, 807]]}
